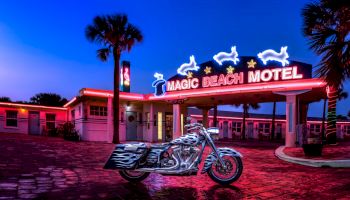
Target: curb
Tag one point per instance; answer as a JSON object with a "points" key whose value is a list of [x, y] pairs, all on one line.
{"points": [[310, 162]]}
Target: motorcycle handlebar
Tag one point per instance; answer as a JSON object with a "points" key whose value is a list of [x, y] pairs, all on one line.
{"points": [[193, 125]]}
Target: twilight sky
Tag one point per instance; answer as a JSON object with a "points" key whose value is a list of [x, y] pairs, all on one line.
{"points": [[43, 47]]}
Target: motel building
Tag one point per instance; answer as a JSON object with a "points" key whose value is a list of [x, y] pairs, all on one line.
{"points": [[196, 91]]}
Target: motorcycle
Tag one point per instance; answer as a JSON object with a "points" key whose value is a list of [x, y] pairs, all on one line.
{"points": [[180, 157]]}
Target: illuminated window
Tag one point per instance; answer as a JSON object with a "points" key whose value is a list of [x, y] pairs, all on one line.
{"points": [[11, 118], [160, 127], [98, 110], [148, 120], [50, 121]]}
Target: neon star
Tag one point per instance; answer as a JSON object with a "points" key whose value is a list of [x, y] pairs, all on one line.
{"points": [[189, 75], [251, 64], [207, 70], [230, 70]]}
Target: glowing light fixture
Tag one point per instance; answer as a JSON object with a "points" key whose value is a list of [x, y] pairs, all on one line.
{"points": [[272, 55], [160, 126], [191, 66], [223, 56]]}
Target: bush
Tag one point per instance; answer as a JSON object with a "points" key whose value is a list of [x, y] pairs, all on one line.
{"points": [[68, 131], [53, 132]]}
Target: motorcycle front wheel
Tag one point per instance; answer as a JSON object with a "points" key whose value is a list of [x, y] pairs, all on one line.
{"points": [[230, 173], [133, 176]]}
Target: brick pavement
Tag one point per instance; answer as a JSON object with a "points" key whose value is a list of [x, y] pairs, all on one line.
{"points": [[329, 152], [50, 168]]}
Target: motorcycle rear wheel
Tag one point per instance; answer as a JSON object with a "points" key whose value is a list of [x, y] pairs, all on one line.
{"points": [[235, 168], [133, 176]]}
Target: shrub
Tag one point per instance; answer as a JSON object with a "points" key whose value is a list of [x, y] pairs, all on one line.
{"points": [[53, 132], [68, 131]]}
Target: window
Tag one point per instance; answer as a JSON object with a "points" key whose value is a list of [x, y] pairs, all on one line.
{"points": [[237, 127], [50, 121], [140, 118], [11, 118], [264, 127], [315, 128], [121, 117], [98, 110], [346, 129]]}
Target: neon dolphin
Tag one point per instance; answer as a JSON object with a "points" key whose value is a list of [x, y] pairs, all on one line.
{"points": [[272, 55], [223, 56], [192, 65]]}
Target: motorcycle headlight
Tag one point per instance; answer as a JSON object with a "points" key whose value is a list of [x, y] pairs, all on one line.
{"points": [[214, 136], [214, 133]]}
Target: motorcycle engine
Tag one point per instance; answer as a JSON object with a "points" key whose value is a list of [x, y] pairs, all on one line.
{"points": [[167, 161], [187, 156]]}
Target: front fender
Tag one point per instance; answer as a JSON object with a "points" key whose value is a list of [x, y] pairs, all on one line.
{"points": [[221, 151]]}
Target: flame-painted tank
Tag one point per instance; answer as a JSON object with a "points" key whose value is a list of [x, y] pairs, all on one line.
{"points": [[188, 139]]}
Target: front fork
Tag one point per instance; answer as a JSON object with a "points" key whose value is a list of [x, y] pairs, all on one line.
{"points": [[212, 145]]}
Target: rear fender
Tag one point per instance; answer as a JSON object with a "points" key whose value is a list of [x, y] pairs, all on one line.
{"points": [[222, 152], [126, 156]]}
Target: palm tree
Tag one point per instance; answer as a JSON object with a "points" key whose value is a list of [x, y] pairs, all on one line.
{"points": [[273, 121], [5, 99], [116, 35], [341, 94], [326, 25], [246, 107], [48, 99]]}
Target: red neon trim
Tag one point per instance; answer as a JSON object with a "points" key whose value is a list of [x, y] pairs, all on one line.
{"points": [[240, 118], [122, 95], [31, 106], [259, 87], [70, 102], [261, 119]]}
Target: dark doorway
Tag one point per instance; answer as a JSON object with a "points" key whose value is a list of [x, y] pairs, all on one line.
{"points": [[34, 123], [131, 125]]}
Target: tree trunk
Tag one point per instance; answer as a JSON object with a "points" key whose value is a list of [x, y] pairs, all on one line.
{"points": [[244, 118], [215, 116], [273, 121], [323, 120], [116, 54], [331, 134]]}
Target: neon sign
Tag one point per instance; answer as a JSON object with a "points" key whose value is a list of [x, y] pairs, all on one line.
{"points": [[159, 84], [266, 75], [191, 66], [223, 56], [125, 76], [183, 84], [246, 70], [272, 55]]}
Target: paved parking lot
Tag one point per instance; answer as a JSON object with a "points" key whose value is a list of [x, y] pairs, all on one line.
{"points": [[51, 168]]}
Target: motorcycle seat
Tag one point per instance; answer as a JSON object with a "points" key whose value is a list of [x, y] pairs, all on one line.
{"points": [[159, 146]]}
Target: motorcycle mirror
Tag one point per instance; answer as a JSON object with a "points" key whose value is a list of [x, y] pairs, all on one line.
{"points": [[188, 120]]}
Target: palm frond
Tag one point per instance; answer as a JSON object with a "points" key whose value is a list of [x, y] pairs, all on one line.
{"points": [[326, 25], [114, 31], [103, 54]]}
